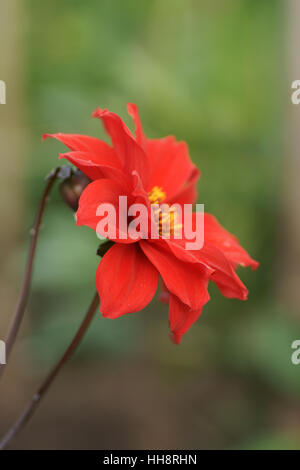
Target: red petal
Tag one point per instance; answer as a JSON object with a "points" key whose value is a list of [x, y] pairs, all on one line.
{"points": [[95, 166], [216, 235], [126, 281], [171, 166], [181, 318], [188, 281], [224, 276], [139, 192], [189, 256], [133, 111], [222, 271], [100, 192], [188, 194], [212, 256], [126, 148], [101, 151]]}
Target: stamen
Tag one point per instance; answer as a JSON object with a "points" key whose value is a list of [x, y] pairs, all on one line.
{"points": [[156, 195], [166, 217]]}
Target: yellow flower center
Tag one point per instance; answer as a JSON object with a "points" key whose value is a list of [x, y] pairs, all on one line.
{"points": [[156, 195], [166, 217]]}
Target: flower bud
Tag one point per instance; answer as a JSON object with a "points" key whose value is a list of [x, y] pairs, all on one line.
{"points": [[72, 187]]}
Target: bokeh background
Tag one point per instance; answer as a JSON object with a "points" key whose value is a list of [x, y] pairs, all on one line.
{"points": [[215, 74]]}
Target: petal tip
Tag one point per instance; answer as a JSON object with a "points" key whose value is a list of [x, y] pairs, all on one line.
{"points": [[254, 265], [175, 338], [96, 113], [245, 295], [131, 107], [164, 297], [99, 113]]}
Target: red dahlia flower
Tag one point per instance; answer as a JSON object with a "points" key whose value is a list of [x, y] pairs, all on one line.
{"points": [[150, 171]]}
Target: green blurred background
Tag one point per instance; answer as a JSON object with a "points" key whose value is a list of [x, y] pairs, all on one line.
{"points": [[213, 74]]}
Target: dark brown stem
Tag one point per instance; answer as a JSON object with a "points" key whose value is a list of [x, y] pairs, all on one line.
{"points": [[37, 397], [23, 297]]}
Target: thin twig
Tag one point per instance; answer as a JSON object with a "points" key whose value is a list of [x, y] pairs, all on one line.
{"points": [[23, 297], [37, 397]]}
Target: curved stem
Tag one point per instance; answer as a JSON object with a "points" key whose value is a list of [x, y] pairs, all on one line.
{"points": [[23, 297], [37, 397]]}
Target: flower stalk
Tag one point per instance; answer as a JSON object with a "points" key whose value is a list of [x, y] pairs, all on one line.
{"points": [[23, 297], [42, 390]]}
